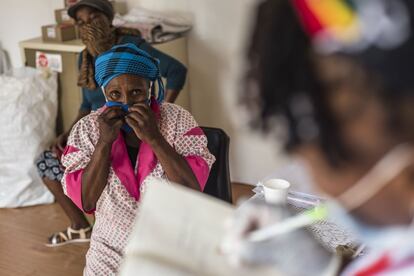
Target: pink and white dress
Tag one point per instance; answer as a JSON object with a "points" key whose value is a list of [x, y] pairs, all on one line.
{"points": [[117, 207]]}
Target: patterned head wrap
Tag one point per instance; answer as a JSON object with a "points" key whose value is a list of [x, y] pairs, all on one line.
{"points": [[128, 59]]}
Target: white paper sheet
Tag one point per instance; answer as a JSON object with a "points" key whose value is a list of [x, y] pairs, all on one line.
{"points": [[180, 231]]}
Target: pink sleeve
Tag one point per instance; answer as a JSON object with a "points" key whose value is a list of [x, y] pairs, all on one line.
{"points": [[191, 143], [76, 157], [200, 169], [74, 189]]}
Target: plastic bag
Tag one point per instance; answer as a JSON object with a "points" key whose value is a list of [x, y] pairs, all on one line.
{"points": [[28, 110]]}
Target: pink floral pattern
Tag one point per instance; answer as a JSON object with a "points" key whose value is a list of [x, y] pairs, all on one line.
{"points": [[116, 209]]}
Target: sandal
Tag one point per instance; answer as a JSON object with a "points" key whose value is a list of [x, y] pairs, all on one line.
{"points": [[62, 238]]}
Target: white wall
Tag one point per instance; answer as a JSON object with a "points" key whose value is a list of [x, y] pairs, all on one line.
{"points": [[22, 19], [216, 47]]}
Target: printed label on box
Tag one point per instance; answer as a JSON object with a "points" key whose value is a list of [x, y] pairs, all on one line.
{"points": [[65, 16], [51, 32], [51, 61]]}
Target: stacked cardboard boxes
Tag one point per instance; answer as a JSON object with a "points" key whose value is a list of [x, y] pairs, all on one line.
{"points": [[65, 28]]}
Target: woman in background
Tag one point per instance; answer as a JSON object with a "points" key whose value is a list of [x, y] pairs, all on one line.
{"points": [[94, 18]]}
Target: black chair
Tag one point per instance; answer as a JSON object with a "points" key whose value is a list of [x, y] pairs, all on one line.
{"points": [[218, 183]]}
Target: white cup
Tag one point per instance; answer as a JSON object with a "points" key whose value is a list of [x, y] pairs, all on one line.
{"points": [[276, 191]]}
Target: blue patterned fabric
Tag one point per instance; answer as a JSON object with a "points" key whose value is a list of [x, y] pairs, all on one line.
{"points": [[128, 59], [48, 166]]}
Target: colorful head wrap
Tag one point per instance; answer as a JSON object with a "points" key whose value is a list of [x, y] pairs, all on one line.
{"points": [[378, 33], [128, 59], [354, 25]]}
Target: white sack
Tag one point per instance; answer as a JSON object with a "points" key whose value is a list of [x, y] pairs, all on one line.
{"points": [[28, 109]]}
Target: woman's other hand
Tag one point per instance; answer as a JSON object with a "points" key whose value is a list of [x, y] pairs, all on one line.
{"points": [[142, 120], [110, 122], [250, 216]]}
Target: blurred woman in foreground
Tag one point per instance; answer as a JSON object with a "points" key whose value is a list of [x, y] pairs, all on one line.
{"points": [[337, 75]]}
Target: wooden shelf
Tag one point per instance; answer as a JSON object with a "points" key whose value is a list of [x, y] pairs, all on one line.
{"points": [[70, 46]]}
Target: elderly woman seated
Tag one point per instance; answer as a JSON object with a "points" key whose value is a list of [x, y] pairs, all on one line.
{"points": [[112, 152]]}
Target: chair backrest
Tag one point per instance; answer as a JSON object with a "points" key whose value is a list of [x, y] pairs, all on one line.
{"points": [[218, 183]]}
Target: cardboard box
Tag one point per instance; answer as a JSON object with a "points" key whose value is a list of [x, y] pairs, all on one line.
{"points": [[62, 17], [58, 32], [119, 7]]}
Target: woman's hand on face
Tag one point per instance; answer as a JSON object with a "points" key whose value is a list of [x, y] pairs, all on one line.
{"points": [[142, 120], [110, 122]]}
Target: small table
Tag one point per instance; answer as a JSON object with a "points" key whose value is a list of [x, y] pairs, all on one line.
{"points": [[327, 233]]}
